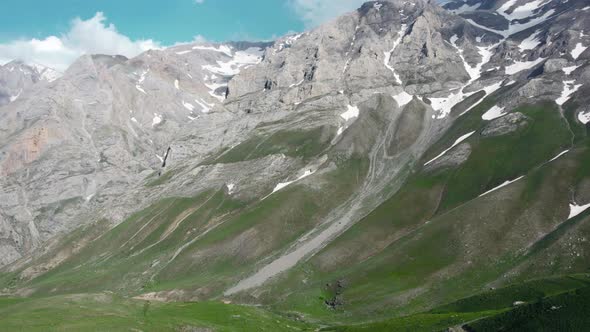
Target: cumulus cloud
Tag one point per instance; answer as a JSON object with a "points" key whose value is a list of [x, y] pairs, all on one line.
{"points": [[90, 36], [316, 12]]}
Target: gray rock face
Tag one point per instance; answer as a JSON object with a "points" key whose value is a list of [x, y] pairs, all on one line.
{"points": [[73, 144], [83, 147], [453, 158], [506, 124]]}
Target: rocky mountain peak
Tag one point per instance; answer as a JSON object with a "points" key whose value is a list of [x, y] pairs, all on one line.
{"points": [[17, 76]]}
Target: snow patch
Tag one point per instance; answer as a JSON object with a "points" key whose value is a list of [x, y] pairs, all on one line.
{"points": [[520, 12], [501, 186], [221, 49], [488, 90], [240, 59], [297, 84], [287, 42], [177, 84], [570, 69], [188, 106], [46, 73], [493, 113], [569, 87], [140, 81], [387, 58], [515, 28], [559, 155], [15, 97], [205, 108], [157, 119], [579, 49], [530, 42], [519, 66], [457, 142], [351, 113], [140, 89], [577, 209], [466, 8], [584, 117], [183, 52], [285, 184], [444, 105], [230, 188], [143, 76], [403, 98]]}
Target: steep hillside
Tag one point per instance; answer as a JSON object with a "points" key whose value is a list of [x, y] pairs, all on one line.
{"points": [[377, 168]]}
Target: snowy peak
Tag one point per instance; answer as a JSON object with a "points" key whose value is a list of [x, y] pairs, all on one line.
{"points": [[17, 76], [217, 64], [35, 71]]}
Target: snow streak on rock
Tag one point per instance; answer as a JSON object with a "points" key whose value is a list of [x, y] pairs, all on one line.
{"points": [[387, 58], [519, 66], [493, 113], [444, 105], [579, 49], [569, 87], [457, 142], [575, 210], [501, 186], [531, 42]]}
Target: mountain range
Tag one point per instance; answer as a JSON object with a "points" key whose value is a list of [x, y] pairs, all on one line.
{"points": [[406, 166]]}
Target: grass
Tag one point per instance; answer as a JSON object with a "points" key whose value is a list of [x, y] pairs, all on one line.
{"points": [[295, 143], [267, 226], [418, 238], [420, 322], [494, 310], [530, 291], [563, 312], [108, 262], [555, 304], [495, 160], [108, 312]]}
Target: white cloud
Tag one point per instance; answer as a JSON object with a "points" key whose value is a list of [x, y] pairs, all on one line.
{"points": [[316, 12], [90, 36], [199, 1], [198, 39]]}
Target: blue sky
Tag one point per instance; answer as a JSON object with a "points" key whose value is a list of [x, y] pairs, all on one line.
{"points": [[56, 32], [167, 21]]}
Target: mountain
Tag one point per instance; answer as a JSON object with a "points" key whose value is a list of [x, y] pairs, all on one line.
{"points": [[106, 124], [403, 165], [17, 76]]}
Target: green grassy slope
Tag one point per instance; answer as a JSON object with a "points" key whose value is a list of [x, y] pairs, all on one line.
{"points": [[558, 302], [436, 240], [547, 304], [108, 312]]}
